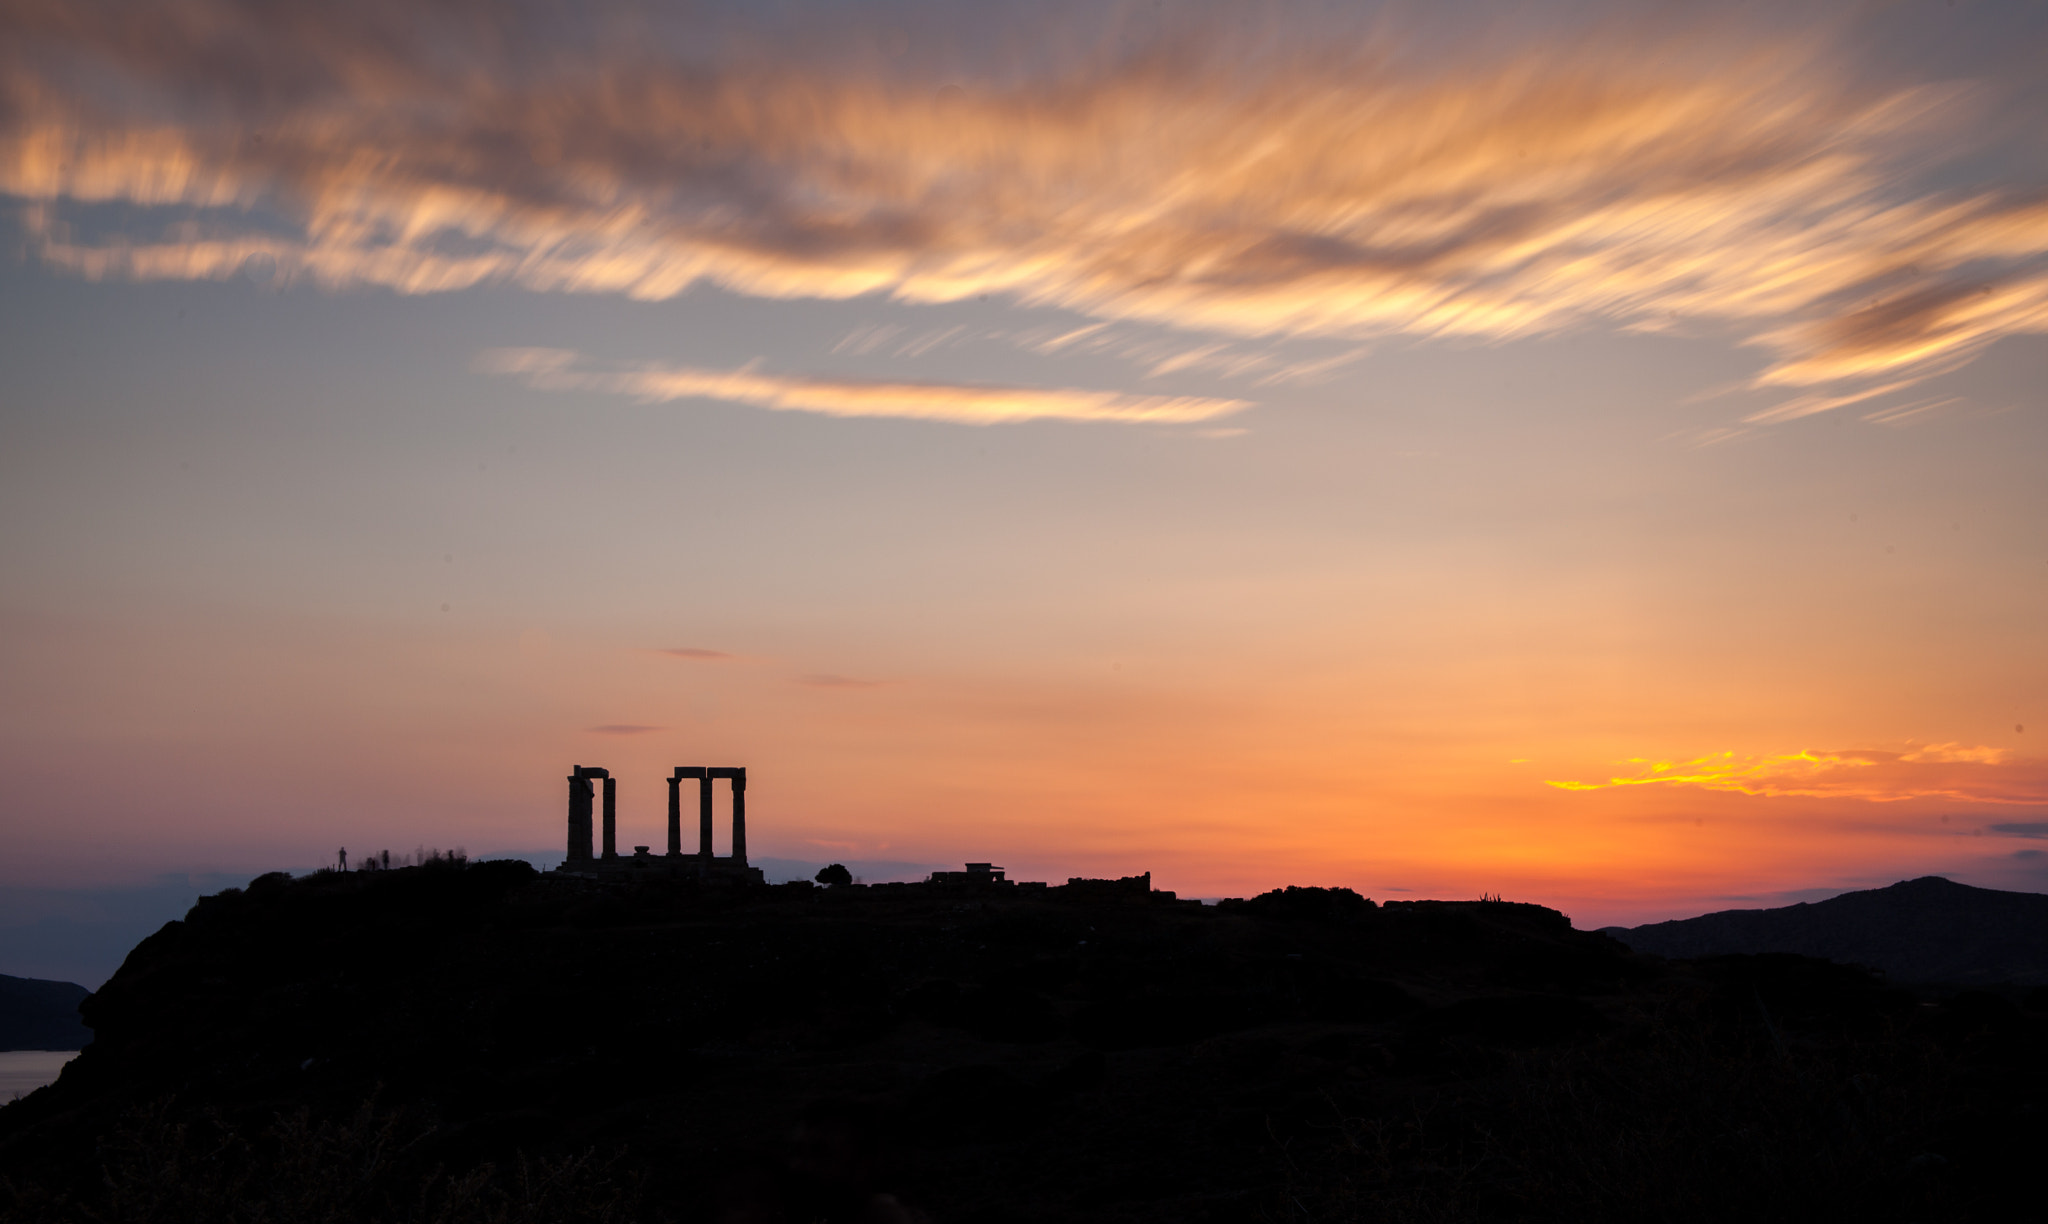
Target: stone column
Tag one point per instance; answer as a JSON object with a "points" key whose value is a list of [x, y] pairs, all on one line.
{"points": [[611, 818], [675, 815], [579, 817], [739, 817], [704, 815]]}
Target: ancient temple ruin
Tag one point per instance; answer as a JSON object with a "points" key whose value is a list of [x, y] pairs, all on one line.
{"points": [[703, 865]]}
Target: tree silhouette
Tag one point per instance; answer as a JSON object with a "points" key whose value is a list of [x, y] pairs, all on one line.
{"points": [[835, 874]]}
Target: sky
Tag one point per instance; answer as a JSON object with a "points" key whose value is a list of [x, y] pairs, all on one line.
{"points": [[1586, 453]]}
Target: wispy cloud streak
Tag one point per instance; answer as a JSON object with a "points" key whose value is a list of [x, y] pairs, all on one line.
{"points": [[959, 403], [1955, 771], [1282, 186]]}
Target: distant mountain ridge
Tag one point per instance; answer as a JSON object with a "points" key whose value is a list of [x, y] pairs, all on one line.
{"points": [[1930, 930], [41, 1015]]}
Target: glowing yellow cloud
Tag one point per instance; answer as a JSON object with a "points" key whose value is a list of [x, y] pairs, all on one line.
{"points": [[1332, 186], [1956, 771], [964, 404]]}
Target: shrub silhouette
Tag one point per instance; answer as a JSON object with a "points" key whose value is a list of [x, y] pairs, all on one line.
{"points": [[1303, 904]]}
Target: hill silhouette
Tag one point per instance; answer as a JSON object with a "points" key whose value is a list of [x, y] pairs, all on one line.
{"points": [[1930, 930], [41, 1015], [485, 1044]]}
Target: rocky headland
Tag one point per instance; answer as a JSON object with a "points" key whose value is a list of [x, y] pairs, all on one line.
{"points": [[38, 1014], [480, 1042]]}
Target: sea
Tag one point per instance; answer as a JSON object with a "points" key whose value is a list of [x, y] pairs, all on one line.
{"points": [[24, 1071]]}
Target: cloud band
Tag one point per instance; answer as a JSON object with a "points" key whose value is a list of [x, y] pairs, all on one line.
{"points": [[959, 403], [1284, 186]]}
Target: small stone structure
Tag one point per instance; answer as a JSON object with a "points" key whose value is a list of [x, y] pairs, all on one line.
{"points": [[977, 875], [703, 865], [981, 877]]}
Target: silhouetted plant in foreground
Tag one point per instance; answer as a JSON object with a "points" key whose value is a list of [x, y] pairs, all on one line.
{"points": [[834, 874], [160, 1167]]}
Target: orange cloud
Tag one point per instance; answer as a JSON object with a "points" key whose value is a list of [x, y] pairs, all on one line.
{"points": [[960, 403], [1954, 771], [1334, 185]]}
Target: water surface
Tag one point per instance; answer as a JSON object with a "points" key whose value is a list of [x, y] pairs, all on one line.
{"points": [[24, 1071]]}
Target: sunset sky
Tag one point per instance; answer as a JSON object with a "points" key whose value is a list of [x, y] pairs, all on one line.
{"points": [[1592, 454]]}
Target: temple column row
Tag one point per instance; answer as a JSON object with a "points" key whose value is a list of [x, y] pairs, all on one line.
{"points": [[738, 774], [675, 810], [582, 794]]}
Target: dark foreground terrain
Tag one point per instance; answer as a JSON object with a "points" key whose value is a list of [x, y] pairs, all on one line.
{"points": [[478, 1044]]}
